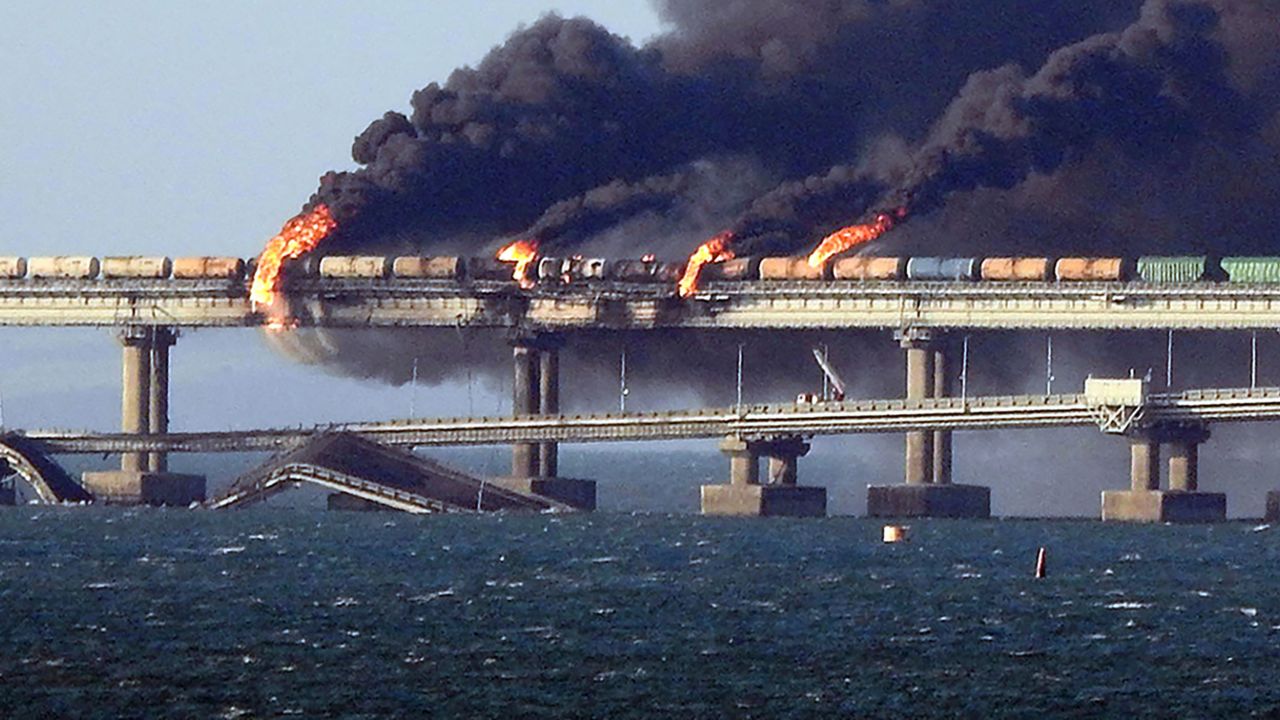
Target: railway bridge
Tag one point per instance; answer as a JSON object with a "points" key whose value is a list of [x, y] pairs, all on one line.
{"points": [[922, 317]]}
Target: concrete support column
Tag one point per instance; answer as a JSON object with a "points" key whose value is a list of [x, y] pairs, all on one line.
{"points": [[525, 401], [744, 495], [942, 387], [744, 461], [1144, 463], [1184, 458], [549, 396], [783, 470], [158, 424], [920, 385], [135, 407], [1144, 501]]}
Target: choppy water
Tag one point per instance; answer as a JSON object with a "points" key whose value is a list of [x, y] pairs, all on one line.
{"points": [[110, 613]]}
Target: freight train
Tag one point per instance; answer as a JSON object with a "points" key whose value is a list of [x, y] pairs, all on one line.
{"points": [[552, 271]]}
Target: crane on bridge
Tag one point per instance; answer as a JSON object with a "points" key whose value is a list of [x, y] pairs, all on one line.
{"points": [[838, 387]]}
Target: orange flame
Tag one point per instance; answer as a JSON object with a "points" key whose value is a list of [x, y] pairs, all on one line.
{"points": [[715, 250], [298, 237], [522, 253], [854, 235]]}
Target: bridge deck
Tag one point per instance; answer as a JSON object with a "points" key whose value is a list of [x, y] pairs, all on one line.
{"points": [[777, 305]]}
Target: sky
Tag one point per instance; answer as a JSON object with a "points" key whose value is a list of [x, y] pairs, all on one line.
{"points": [[164, 128]]}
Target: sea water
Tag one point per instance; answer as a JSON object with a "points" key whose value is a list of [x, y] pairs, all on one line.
{"points": [[114, 613]]}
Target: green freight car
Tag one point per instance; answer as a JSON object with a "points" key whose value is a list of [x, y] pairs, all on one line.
{"points": [[1252, 269], [1178, 269]]}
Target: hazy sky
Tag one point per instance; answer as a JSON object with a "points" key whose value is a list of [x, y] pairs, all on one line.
{"points": [[175, 128]]}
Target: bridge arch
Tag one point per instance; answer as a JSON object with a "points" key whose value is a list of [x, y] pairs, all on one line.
{"points": [[50, 482]]}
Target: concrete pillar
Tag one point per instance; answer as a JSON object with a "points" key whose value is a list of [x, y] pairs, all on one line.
{"points": [[549, 396], [1184, 458], [1144, 463], [1182, 502], [135, 407], [744, 495], [942, 387], [162, 340], [525, 401], [920, 384], [744, 461], [783, 470], [928, 490]]}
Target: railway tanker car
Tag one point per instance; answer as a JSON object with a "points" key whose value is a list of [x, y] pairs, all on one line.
{"points": [[737, 269], [427, 267], [157, 268], [78, 267], [1024, 269], [793, 268], [869, 268], [12, 268], [1091, 269], [934, 269], [197, 268], [372, 267]]}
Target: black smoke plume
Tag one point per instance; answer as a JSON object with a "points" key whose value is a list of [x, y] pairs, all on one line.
{"points": [[1083, 126]]}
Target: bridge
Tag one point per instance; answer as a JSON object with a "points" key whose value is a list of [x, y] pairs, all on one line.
{"points": [[753, 422], [925, 318], [793, 305]]}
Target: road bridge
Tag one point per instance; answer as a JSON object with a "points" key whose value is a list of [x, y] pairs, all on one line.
{"points": [[753, 422], [1177, 421]]}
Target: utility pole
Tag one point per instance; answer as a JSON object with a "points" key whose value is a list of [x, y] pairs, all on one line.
{"points": [[1048, 367], [1253, 364], [413, 390], [739, 376], [622, 383]]}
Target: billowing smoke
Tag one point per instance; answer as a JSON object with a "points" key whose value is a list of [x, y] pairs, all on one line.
{"points": [[1084, 126]]}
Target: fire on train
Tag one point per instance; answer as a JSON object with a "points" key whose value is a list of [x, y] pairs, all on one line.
{"points": [[552, 271]]}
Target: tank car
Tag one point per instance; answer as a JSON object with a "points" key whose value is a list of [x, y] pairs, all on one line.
{"points": [[1091, 269], [369, 267], [792, 268], [1027, 269], [868, 268], [136, 267], [194, 268], [12, 268], [737, 269], [63, 266], [443, 267], [942, 269]]}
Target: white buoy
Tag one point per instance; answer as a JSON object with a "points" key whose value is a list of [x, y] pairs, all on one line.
{"points": [[895, 533]]}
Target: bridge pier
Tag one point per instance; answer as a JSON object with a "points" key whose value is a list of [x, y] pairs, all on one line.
{"points": [[549, 403], [8, 494], [525, 401], [1273, 506], [927, 490], [144, 409], [780, 497], [1144, 501], [535, 467]]}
